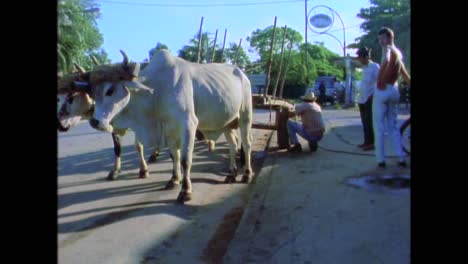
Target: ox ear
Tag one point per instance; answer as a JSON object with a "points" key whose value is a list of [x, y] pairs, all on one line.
{"points": [[82, 86], [133, 85]]}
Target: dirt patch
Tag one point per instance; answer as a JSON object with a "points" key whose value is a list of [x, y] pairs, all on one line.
{"points": [[218, 244]]}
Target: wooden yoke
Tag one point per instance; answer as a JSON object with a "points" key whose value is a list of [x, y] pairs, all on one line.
{"points": [[281, 108]]}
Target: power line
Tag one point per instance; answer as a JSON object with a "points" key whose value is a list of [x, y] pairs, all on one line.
{"points": [[196, 5]]}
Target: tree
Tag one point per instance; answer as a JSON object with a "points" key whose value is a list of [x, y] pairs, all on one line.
{"points": [[100, 55], [323, 61], [230, 55], [394, 14], [320, 62], [190, 52], [159, 46], [77, 34], [260, 40]]}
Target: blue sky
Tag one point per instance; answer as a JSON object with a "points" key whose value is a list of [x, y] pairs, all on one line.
{"points": [[136, 26]]}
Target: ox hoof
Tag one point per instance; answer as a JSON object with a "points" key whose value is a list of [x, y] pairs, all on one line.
{"points": [[230, 179], [153, 158], [246, 178], [184, 197], [143, 174], [112, 175], [233, 172], [171, 185]]}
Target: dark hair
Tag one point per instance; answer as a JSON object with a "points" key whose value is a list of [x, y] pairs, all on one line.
{"points": [[387, 31], [363, 52]]}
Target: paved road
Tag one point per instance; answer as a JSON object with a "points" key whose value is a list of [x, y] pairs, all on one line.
{"points": [[131, 220]]}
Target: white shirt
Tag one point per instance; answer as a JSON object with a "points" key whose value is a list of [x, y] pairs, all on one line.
{"points": [[369, 81]]}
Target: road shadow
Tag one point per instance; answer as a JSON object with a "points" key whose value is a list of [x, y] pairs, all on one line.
{"points": [[104, 159], [68, 199], [216, 164], [133, 210]]}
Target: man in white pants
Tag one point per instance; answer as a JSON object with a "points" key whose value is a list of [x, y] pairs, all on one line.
{"points": [[387, 96]]}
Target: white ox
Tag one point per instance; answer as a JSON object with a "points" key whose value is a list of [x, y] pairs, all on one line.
{"points": [[74, 105], [177, 97]]}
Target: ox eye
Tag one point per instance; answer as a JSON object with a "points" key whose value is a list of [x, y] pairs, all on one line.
{"points": [[110, 91]]}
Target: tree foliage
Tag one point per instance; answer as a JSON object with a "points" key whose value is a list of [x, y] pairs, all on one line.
{"points": [[260, 40], [395, 14], [159, 46], [190, 52], [77, 35], [320, 60]]}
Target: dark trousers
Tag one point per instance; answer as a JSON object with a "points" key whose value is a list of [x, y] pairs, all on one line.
{"points": [[365, 110]]}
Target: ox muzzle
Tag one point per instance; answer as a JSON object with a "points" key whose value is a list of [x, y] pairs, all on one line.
{"points": [[98, 125], [60, 127]]}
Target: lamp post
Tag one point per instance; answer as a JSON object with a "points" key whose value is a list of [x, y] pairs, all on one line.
{"points": [[321, 23]]}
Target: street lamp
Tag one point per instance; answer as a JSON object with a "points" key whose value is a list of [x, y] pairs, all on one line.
{"points": [[325, 22], [321, 23]]}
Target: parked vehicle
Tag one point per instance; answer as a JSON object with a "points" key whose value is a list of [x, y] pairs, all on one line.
{"points": [[331, 91]]}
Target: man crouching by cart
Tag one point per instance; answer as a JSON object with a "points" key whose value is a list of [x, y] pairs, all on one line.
{"points": [[312, 127]]}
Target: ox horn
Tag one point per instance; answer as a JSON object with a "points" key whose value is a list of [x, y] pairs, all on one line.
{"points": [[95, 61], [125, 60], [79, 68]]}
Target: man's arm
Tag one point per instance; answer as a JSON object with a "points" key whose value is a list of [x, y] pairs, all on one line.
{"points": [[405, 74], [291, 112]]}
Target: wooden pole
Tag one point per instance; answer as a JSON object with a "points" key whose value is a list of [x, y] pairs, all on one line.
{"points": [[199, 40], [281, 62], [222, 50], [285, 71], [214, 47], [237, 53], [269, 60]]}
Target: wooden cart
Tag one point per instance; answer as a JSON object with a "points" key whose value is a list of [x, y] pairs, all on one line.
{"points": [[280, 106]]}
